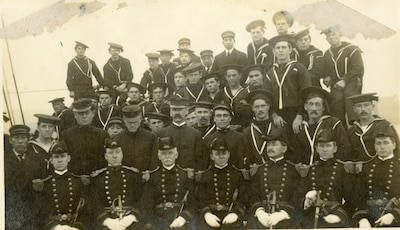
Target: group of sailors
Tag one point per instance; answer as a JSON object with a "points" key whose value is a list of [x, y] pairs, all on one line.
{"points": [[239, 141]]}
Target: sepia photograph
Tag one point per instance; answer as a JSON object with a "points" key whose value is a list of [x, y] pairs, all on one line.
{"points": [[201, 114]]}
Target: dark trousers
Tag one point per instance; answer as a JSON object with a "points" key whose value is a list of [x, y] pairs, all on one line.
{"points": [[340, 106]]}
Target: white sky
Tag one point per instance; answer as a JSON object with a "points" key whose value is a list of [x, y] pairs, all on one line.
{"points": [[40, 62]]}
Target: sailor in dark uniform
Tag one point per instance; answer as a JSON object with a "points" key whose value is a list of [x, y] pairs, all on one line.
{"points": [[326, 187], [185, 58], [282, 20], [180, 80], [361, 133], [220, 192], [117, 73], [135, 96], [286, 79], [187, 139], [64, 113], [116, 191], [234, 93], [159, 103], [212, 83], [138, 144], [261, 126], [41, 145], [85, 142], [203, 111], [157, 121], [316, 104], [379, 191], [167, 198], [114, 126], [61, 196], [105, 109], [195, 90], [154, 73], [309, 56], [236, 141], [18, 178], [167, 69], [207, 59], [259, 51], [184, 43], [80, 72], [274, 190], [344, 71]]}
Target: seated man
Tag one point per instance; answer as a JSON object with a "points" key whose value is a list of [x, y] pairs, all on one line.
{"points": [[64, 113], [153, 74], [116, 191], [159, 104], [379, 191], [273, 187], [220, 192], [167, 195], [61, 196], [135, 96], [195, 90], [328, 185], [105, 109]]}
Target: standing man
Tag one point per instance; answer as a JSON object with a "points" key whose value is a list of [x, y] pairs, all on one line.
{"points": [[18, 177], [138, 144], [234, 92], [117, 73], [184, 43], [282, 20], [207, 59], [361, 132], [159, 104], [315, 101], [344, 71], [212, 83], [286, 79], [167, 69], [41, 145], [261, 126], [259, 51], [61, 196], [153, 74], [67, 119], [168, 195], [203, 111], [309, 56], [105, 109], [187, 139], [230, 55], [85, 142], [185, 58], [236, 141], [195, 90], [80, 72], [116, 191], [379, 190]]}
